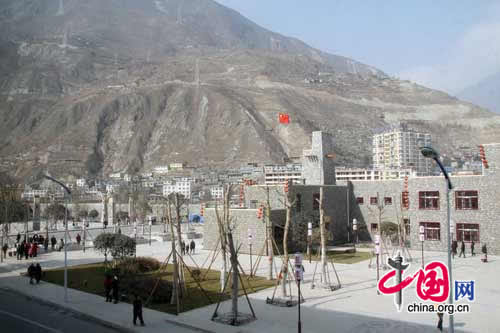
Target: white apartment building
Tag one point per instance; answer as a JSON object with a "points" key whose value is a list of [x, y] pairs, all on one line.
{"points": [[278, 174], [353, 174], [183, 188], [34, 193], [217, 192], [399, 148], [81, 182], [161, 170]]}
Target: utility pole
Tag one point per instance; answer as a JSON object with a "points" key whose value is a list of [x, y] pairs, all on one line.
{"points": [[269, 228]]}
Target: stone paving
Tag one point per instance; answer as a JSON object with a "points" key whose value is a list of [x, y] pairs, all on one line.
{"points": [[355, 307]]}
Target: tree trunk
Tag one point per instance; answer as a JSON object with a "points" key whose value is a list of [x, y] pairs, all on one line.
{"points": [[178, 205], [175, 286], [323, 236], [234, 287]]}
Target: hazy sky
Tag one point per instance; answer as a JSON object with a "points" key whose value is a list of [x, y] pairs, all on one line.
{"points": [[445, 44]]}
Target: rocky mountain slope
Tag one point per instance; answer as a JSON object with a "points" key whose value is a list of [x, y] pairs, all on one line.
{"points": [[98, 86], [485, 93]]}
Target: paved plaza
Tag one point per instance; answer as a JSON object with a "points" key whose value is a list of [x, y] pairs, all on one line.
{"points": [[355, 307]]}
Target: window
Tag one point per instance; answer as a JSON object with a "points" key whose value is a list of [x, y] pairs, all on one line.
{"points": [[406, 223], [468, 232], [360, 200], [405, 200], [315, 201], [374, 227], [432, 230], [428, 200], [466, 200], [387, 201], [373, 200], [253, 204], [298, 203]]}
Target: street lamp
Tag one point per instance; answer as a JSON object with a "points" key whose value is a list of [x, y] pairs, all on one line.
{"points": [[430, 152], [68, 191], [355, 229]]}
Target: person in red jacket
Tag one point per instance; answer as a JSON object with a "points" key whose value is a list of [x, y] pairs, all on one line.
{"points": [[108, 281], [34, 249]]}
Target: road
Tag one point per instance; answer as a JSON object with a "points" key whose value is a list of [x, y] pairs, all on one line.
{"points": [[19, 313]]}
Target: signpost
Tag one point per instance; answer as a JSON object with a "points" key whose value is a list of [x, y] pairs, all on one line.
{"points": [[135, 237], [355, 229], [250, 247], [309, 239], [422, 238], [150, 227], [299, 275], [377, 252]]}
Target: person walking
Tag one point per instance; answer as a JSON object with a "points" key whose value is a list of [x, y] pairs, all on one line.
{"points": [[78, 239], [440, 319], [20, 251], [193, 245], [34, 250], [186, 250], [31, 272], [462, 249], [53, 242], [38, 273], [18, 238], [472, 249], [46, 245], [454, 246], [27, 250], [183, 248], [5, 247], [61, 245], [108, 284], [115, 285], [485, 252], [137, 305]]}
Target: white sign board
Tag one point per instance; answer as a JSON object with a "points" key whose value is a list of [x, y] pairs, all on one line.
{"points": [[309, 232], [354, 227], [422, 237], [309, 225], [422, 229], [377, 249], [299, 274], [249, 239], [377, 239]]}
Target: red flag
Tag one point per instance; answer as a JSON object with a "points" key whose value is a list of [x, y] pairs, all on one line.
{"points": [[284, 118]]}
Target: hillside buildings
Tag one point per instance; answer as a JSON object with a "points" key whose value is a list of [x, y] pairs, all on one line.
{"points": [[398, 148]]}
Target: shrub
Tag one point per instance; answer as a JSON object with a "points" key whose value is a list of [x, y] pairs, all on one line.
{"points": [[162, 293], [134, 266]]}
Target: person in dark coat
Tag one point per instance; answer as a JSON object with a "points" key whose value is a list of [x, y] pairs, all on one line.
{"points": [[31, 272], [5, 247], [454, 246], [462, 249], [38, 273], [115, 285], [78, 238], [46, 244], [20, 251], [183, 248], [138, 310], [193, 245], [485, 252], [53, 242], [27, 247], [108, 284], [18, 238], [472, 248]]}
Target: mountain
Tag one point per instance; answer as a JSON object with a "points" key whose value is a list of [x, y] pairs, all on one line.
{"points": [[124, 85], [485, 93]]}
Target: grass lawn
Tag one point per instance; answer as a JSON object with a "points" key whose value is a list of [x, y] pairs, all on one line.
{"points": [[90, 278]]}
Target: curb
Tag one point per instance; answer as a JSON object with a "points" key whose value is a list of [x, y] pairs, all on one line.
{"points": [[82, 315]]}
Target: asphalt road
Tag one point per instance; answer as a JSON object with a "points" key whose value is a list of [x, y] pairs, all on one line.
{"points": [[19, 313]]}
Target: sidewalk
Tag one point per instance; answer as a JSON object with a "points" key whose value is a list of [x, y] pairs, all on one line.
{"points": [[356, 307]]}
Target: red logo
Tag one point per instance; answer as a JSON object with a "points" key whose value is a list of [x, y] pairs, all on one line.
{"points": [[432, 282]]}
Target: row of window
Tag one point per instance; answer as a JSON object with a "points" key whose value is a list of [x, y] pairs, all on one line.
{"points": [[467, 232], [464, 200]]}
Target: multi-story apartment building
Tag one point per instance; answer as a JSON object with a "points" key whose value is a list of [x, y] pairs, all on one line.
{"points": [[398, 148], [181, 187], [278, 174], [217, 192], [353, 174]]}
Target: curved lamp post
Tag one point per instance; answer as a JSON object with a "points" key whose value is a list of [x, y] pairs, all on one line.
{"points": [[430, 152], [68, 191]]}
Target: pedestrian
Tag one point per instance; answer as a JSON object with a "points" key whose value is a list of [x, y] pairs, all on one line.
{"points": [[20, 251], [34, 250], [78, 239], [5, 247], [108, 281], [61, 245], [472, 244], [115, 285], [186, 250], [440, 319], [27, 248], [46, 245], [38, 273], [183, 248], [137, 310], [462, 249], [193, 245], [18, 237], [31, 272], [53, 242], [454, 246], [485, 252]]}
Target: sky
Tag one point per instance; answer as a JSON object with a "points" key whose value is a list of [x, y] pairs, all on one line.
{"points": [[446, 45]]}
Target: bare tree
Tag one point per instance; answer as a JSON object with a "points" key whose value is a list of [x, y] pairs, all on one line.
{"points": [[223, 223]]}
